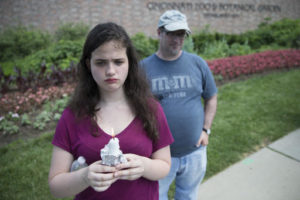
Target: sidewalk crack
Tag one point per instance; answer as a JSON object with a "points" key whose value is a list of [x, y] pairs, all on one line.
{"points": [[286, 155]]}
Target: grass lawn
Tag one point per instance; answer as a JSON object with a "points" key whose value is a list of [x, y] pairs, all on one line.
{"points": [[250, 115]]}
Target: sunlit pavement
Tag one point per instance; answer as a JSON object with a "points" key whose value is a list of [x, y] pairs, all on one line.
{"points": [[273, 173]]}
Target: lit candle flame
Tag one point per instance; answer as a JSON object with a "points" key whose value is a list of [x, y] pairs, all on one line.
{"points": [[112, 132]]}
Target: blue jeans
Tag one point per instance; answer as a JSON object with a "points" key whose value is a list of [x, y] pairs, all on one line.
{"points": [[188, 172]]}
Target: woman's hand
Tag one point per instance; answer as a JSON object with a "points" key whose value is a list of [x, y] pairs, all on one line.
{"points": [[100, 177], [131, 170]]}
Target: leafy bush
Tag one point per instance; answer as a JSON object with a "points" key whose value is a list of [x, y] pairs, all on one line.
{"points": [[237, 49], [34, 80], [41, 120], [71, 31], [284, 33], [216, 49], [201, 40], [59, 54], [25, 120], [144, 45], [65, 51], [8, 127], [188, 45], [62, 54], [29, 49], [20, 41]]}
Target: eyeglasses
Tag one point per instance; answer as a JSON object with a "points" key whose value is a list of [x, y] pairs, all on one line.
{"points": [[177, 34]]}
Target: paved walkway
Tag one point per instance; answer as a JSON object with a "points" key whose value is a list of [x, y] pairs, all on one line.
{"points": [[273, 173]]}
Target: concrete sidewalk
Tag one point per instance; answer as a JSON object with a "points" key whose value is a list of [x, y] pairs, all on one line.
{"points": [[273, 173]]}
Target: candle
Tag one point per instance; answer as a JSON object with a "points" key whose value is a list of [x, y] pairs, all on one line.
{"points": [[111, 154]]}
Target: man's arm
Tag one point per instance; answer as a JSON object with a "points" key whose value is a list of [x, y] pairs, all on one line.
{"points": [[210, 108]]}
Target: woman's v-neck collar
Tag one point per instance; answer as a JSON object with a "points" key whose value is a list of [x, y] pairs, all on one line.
{"points": [[102, 132]]}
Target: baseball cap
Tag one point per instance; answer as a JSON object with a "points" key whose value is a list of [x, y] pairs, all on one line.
{"points": [[173, 20]]}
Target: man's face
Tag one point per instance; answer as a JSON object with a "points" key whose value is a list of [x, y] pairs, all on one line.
{"points": [[171, 42]]}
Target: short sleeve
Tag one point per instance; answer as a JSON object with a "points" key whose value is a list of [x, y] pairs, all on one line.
{"points": [[209, 85], [62, 136]]}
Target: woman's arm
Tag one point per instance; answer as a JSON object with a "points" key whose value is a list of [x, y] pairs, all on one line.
{"points": [[63, 183], [154, 168]]}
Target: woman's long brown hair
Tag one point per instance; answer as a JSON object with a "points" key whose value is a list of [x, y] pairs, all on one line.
{"points": [[86, 95]]}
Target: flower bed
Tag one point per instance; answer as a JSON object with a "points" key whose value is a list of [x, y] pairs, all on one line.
{"points": [[228, 68], [233, 67], [21, 102]]}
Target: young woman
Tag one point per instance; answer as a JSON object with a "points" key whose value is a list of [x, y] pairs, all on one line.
{"points": [[111, 93]]}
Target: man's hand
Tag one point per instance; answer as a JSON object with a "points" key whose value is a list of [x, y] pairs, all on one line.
{"points": [[203, 140]]}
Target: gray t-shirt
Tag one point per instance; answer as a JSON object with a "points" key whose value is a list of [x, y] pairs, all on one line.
{"points": [[179, 85]]}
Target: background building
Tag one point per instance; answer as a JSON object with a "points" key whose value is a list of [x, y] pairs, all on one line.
{"points": [[227, 16]]}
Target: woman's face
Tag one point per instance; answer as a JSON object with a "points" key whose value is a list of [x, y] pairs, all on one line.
{"points": [[109, 66]]}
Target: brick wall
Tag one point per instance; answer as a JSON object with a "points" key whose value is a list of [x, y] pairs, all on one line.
{"points": [[228, 16]]}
